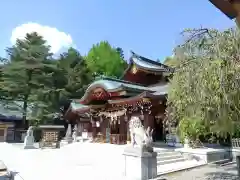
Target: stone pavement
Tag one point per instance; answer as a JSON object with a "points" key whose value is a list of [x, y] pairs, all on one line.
{"points": [[89, 161], [208, 172], [85, 161]]}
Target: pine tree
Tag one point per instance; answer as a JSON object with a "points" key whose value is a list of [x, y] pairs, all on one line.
{"points": [[77, 74], [27, 74]]}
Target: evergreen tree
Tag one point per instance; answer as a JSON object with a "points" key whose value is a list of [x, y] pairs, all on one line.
{"points": [[27, 75], [120, 51], [76, 73]]}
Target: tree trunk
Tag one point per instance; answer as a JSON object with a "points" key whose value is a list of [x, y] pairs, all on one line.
{"points": [[25, 106], [25, 99]]}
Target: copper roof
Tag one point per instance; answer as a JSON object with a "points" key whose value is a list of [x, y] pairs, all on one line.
{"points": [[146, 64], [159, 90], [113, 85]]}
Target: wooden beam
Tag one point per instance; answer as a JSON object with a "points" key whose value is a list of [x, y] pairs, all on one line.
{"points": [[236, 7], [226, 7]]}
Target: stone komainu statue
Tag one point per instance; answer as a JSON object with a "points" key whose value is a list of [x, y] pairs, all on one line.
{"points": [[140, 137], [30, 131]]}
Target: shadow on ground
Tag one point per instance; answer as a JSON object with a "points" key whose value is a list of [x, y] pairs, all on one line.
{"points": [[221, 176], [10, 176], [14, 174]]}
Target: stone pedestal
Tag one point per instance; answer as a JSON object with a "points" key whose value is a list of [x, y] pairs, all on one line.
{"points": [[238, 164], [66, 141], [29, 139], [29, 142], [68, 137], [139, 164], [186, 143]]}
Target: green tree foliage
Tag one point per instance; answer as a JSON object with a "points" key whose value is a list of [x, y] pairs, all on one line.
{"points": [[103, 59], [69, 79], [171, 61], [76, 74], [37, 82], [206, 83], [28, 72], [120, 51]]}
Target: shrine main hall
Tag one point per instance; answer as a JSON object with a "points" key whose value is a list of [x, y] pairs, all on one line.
{"points": [[104, 111]]}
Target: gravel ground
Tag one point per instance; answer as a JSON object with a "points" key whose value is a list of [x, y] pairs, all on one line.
{"points": [[209, 172]]}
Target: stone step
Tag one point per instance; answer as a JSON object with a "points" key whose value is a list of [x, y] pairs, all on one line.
{"points": [[179, 166], [169, 161], [168, 153], [163, 158], [159, 150]]}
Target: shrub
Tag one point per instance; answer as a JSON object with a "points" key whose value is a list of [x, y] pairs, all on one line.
{"points": [[190, 128]]}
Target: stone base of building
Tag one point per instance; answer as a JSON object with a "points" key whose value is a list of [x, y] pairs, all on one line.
{"points": [[139, 164], [208, 155], [65, 142]]}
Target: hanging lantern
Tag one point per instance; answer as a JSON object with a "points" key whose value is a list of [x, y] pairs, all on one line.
{"points": [[97, 124]]}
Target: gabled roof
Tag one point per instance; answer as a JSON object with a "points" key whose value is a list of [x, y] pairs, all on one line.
{"points": [[114, 85], [226, 7], [161, 89], [146, 64], [157, 91], [11, 110], [74, 106]]}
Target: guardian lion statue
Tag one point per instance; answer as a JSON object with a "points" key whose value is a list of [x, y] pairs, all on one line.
{"points": [[140, 137]]}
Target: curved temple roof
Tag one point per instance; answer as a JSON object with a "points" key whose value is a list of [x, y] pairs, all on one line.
{"points": [[157, 90], [149, 64], [112, 85], [160, 89]]}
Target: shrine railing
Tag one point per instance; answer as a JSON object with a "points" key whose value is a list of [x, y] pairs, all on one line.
{"points": [[113, 139], [236, 142]]}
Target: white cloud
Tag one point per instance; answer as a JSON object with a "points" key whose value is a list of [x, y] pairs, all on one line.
{"points": [[55, 38]]}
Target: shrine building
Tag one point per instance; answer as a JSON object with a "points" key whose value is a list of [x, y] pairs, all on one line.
{"points": [[231, 8], [105, 109]]}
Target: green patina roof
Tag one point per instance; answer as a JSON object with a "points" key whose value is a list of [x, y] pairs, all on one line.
{"points": [[161, 89], [12, 110], [149, 64], [111, 84], [75, 105]]}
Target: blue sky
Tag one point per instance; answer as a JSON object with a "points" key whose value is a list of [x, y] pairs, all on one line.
{"points": [[150, 28]]}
